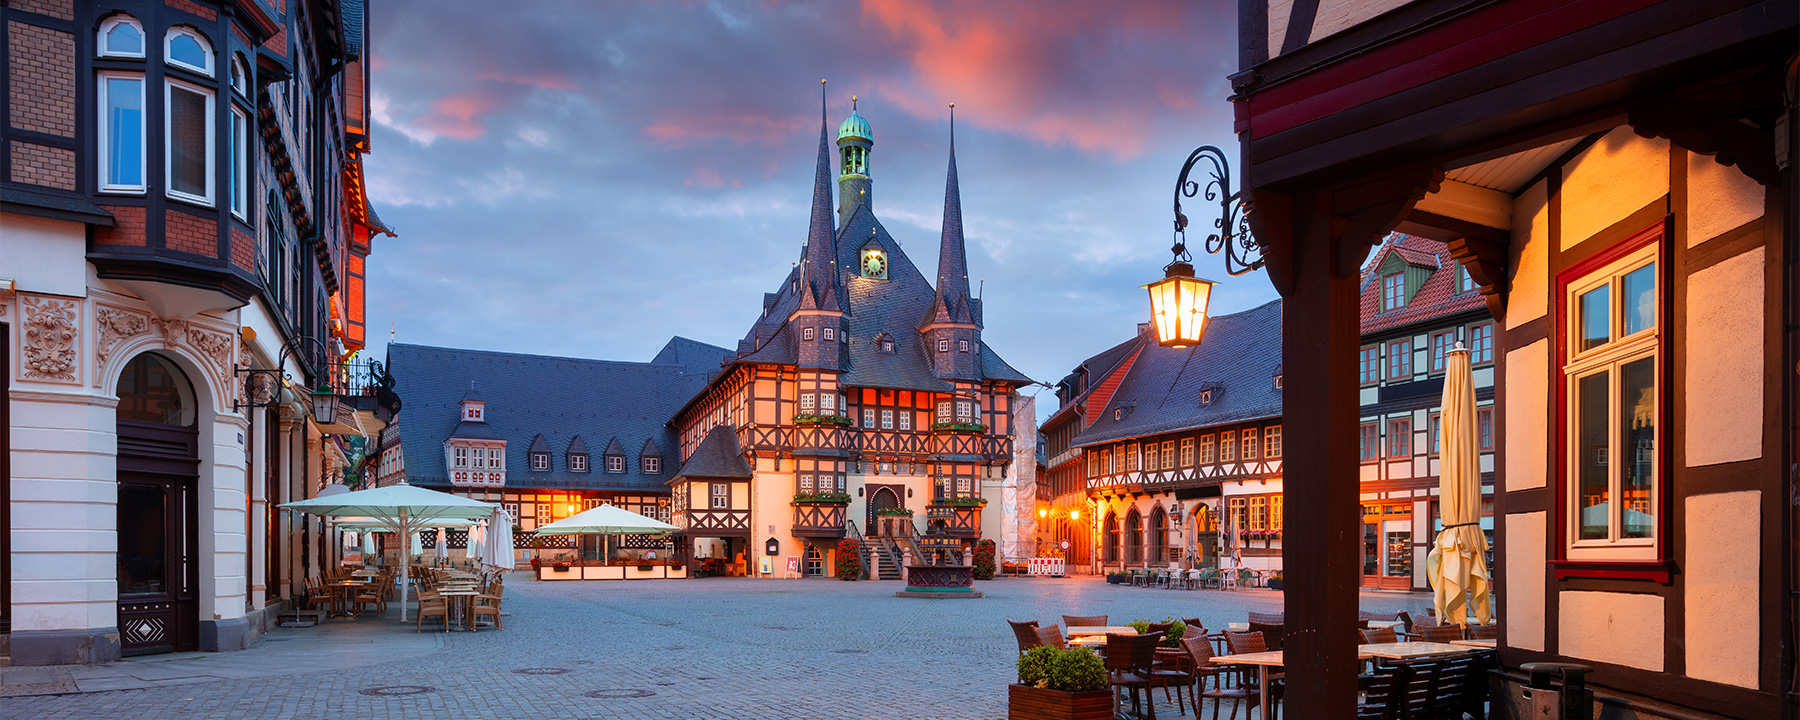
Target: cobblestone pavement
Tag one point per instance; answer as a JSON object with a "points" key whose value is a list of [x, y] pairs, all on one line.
{"points": [[712, 648]]}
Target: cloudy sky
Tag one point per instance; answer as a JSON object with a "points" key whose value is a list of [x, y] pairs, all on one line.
{"points": [[591, 178]]}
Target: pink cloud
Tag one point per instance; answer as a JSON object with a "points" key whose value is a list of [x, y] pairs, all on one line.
{"points": [[459, 116], [689, 129], [545, 80]]}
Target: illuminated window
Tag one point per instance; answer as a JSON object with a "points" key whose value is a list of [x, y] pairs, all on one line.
{"points": [[1272, 442], [1168, 453], [1227, 446], [1206, 449], [1250, 446], [1187, 452]]}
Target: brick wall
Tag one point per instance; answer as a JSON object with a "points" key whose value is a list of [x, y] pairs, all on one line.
{"points": [[243, 249], [60, 9], [42, 96], [277, 44], [193, 8], [190, 233], [127, 229], [43, 165]]}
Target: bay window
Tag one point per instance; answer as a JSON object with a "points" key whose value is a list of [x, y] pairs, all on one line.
{"points": [[188, 141], [1611, 369], [121, 137]]}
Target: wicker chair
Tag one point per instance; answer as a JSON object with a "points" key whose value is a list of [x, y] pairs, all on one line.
{"points": [[1437, 633], [1075, 621], [1268, 618], [1025, 632], [1130, 662], [1379, 635], [1051, 636], [1482, 632], [1243, 643], [1200, 650]]}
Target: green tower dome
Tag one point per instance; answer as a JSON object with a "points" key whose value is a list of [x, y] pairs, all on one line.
{"points": [[855, 127]]}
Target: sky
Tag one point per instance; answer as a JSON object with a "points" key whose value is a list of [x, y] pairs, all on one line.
{"points": [[591, 178]]}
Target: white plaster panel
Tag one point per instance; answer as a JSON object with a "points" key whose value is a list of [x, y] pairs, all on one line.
{"points": [[1619, 628], [1527, 415], [1724, 375], [1723, 567], [44, 256], [1279, 12], [1370, 472], [1608, 182], [1335, 15], [64, 491], [1719, 199], [1524, 556], [1529, 293]]}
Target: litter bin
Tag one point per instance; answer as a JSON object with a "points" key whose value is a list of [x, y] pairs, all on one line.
{"points": [[1558, 691]]}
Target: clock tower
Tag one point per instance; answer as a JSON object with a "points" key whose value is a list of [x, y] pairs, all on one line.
{"points": [[854, 142]]}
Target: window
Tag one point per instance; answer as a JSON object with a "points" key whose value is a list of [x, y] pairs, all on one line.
{"points": [[577, 462], [965, 411], [1250, 447], [240, 164], [830, 333], [615, 463], [806, 402], [1400, 359], [540, 461], [188, 141], [887, 345], [1611, 413], [1434, 434], [806, 483], [887, 419], [943, 411], [962, 346], [1278, 381], [806, 333], [1206, 449], [1484, 427], [185, 48], [1369, 364], [1206, 397], [1399, 439], [1187, 452], [652, 464], [1393, 291], [721, 495], [1440, 347], [1093, 464], [1272, 442], [1464, 283], [1259, 513], [943, 346], [827, 401], [1131, 457], [868, 418], [1368, 447], [1481, 343], [1150, 457], [1106, 464], [1275, 519], [240, 77], [905, 420], [1168, 454], [496, 458], [460, 457], [121, 142], [1227, 446], [121, 36]]}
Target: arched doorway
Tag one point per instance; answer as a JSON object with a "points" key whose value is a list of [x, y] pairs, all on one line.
{"points": [[1112, 538], [1159, 536], [883, 498], [1206, 536], [158, 476], [1134, 536]]}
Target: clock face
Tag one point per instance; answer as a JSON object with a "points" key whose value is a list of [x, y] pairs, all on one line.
{"points": [[875, 265]]}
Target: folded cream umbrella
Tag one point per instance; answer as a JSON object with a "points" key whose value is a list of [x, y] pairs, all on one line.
{"points": [[1457, 565], [497, 546], [401, 508], [604, 521]]}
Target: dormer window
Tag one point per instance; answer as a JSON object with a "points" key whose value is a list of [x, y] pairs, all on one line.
{"points": [[1206, 397], [615, 463], [1118, 414], [1464, 283], [943, 346], [1277, 381], [1393, 291], [962, 345], [886, 344], [540, 461], [578, 462], [830, 334], [806, 334], [652, 465]]}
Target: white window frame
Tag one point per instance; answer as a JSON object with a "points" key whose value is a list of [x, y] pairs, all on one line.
{"points": [[806, 483], [577, 462], [962, 346], [1251, 448], [943, 346], [905, 420], [827, 401], [540, 461], [652, 464], [240, 75], [806, 333], [496, 458], [830, 334], [104, 48], [205, 48], [868, 418], [1611, 357], [240, 164], [459, 457], [1272, 442], [721, 496], [212, 157], [615, 463], [887, 419], [105, 153], [806, 402]]}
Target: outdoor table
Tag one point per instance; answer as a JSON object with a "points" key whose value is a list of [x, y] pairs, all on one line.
{"points": [[1238, 627], [1487, 643], [461, 597], [342, 595], [1410, 650], [1390, 624], [1088, 641], [1080, 630], [1263, 661]]}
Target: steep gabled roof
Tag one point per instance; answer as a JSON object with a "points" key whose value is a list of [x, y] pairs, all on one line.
{"points": [[690, 354], [1098, 368], [614, 448], [577, 447], [718, 456], [950, 304], [1237, 358], [538, 445], [1436, 298], [650, 449]]}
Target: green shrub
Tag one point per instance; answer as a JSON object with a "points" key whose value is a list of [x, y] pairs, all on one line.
{"points": [[1171, 638], [1076, 670], [1034, 665]]}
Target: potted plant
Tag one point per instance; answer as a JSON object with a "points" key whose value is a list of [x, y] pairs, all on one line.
{"points": [[1057, 684], [961, 502], [1171, 637], [560, 566], [645, 567], [822, 496], [1274, 581], [1115, 578], [849, 559], [894, 512]]}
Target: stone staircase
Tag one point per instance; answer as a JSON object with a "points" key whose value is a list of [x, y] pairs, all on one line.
{"points": [[887, 564]]}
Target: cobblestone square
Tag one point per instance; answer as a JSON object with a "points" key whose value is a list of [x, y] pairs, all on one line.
{"points": [[712, 648]]}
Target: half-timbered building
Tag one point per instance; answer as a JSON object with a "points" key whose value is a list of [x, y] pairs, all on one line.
{"points": [[862, 391], [1619, 178]]}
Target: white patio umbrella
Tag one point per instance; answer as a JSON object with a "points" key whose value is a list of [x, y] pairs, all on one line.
{"points": [[472, 547], [606, 521], [368, 544], [1457, 565], [402, 508], [497, 547], [440, 549]]}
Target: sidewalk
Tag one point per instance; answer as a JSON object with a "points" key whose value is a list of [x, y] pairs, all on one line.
{"points": [[335, 645]]}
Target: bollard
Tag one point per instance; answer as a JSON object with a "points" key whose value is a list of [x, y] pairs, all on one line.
{"points": [[1558, 691]]}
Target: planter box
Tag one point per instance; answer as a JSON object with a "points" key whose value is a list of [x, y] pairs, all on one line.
{"points": [[1274, 584], [1029, 703]]}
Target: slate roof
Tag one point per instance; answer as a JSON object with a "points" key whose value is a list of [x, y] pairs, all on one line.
{"points": [[718, 456], [1238, 358], [1435, 299], [557, 397]]}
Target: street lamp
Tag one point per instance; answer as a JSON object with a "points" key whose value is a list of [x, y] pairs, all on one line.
{"points": [[324, 405], [1178, 302]]}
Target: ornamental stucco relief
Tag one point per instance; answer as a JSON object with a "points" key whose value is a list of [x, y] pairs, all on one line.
{"points": [[171, 330], [113, 326], [52, 339]]}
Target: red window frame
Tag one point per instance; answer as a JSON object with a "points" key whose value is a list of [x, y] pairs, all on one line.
{"points": [[1399, 360], [1368, 442], [1484, 428], [1369, 364], [1441, 342], [1399, 441], [1393, 291]]}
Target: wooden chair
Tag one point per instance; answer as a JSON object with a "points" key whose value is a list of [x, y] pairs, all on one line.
{"points": [[485, 605], [432, 605], [1051, 636], [1383, 692], [1075, 621], [1025, 632], [317, 594], [1130, 661], [371, 595], [1379, 635]]}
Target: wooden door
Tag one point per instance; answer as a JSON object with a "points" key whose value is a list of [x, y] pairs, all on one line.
{"points": [[157, 559], [883, 499]]}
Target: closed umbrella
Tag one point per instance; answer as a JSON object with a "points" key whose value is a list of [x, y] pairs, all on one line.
{"points": [[401, 508], [418, 548], [472, 548], [497, 547], [439, 550], [1457, 566], [368, 544]]}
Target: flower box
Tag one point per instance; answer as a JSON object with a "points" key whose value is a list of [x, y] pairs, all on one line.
{"points": [[1031, 703], [973, 427], [823, 420], [560, 567], [827, 498], [645, 567]]}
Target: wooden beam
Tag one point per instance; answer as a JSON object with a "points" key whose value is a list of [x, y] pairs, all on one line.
{"points": [[1486, 261], [1370, 211]]}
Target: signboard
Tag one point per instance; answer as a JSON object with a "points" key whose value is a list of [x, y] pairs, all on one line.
{"points": [[767, 566], [793, 564]]}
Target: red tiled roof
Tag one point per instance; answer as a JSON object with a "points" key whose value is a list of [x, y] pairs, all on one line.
{"points": [[1436, 298]]}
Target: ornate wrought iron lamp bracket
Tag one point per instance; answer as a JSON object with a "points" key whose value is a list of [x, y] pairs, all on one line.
{"points": [[1232, 228], [262, 386]]}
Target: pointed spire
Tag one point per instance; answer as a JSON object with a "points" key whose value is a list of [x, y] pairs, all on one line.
{"points": [[819, 267], [952, 301]]}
